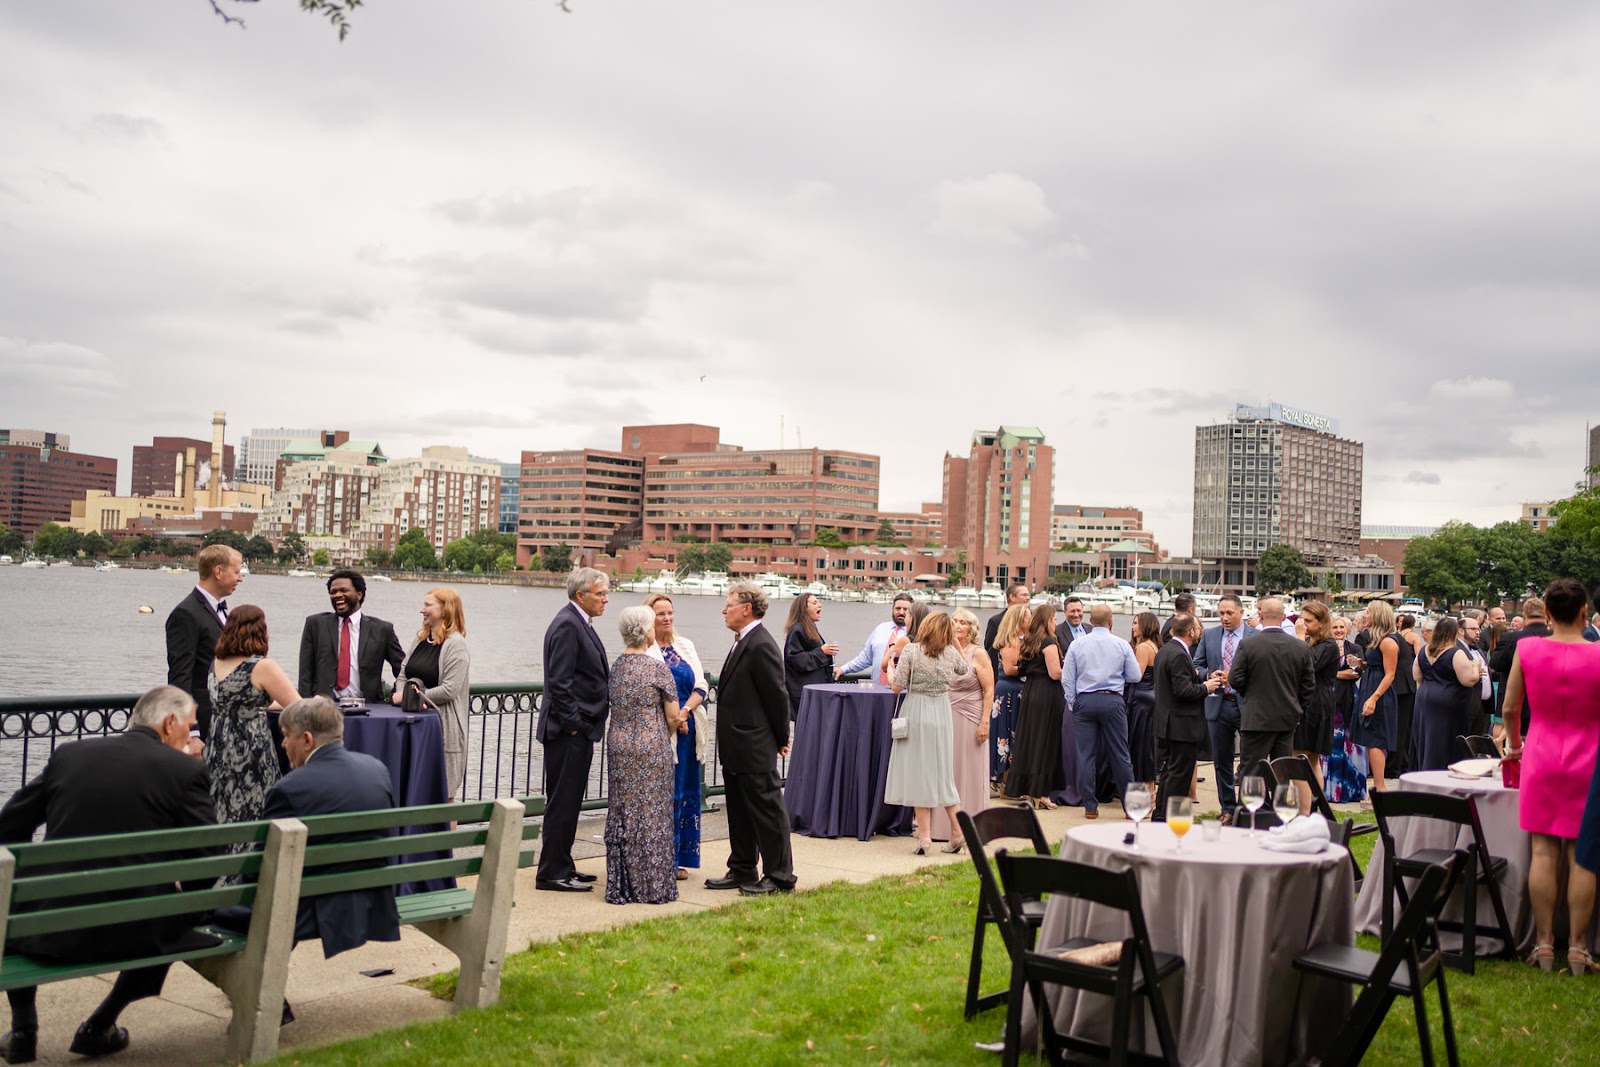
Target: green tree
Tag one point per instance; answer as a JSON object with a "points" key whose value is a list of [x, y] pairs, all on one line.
{"points": [[375, 556], [53, 539], [126, 549], [1513, 558], [10, 540], [1333, 584], [175, 547], [232, 538], [96, 544], [292, 548], [1574, 539], [320, 558], [1064, 581], [1442, 567], [462, 554], [506, 561], [691, 560], [958, 569], [718, 557], [414, 551], [558, 558], [886, 533], [828, 537], [258, 548], [535, 562], [1281, 569]]}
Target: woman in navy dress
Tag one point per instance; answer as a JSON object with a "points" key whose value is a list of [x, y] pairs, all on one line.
{"points": [[1142, 700], [1447, 689], [678, 653], [1375, 722], [1007, 694]]}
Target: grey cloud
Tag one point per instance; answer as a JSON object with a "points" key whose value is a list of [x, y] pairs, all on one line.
{"points": [[129, 127], [28, 369], [1422, 478], [62, 180]]}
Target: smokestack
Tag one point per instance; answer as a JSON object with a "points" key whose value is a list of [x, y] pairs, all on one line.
{"points": [[219, 423]]}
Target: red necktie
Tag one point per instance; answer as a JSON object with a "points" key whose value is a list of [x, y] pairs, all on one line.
{"points": [[342, 679]]}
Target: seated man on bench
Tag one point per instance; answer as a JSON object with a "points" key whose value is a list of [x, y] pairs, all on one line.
{"points": [[143, 779]]}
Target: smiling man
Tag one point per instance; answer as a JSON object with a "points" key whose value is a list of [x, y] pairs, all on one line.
{"points": [[342, 652]]}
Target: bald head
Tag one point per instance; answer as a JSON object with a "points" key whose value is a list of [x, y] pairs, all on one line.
{"points": [[1100, 616], [1271, 610]]}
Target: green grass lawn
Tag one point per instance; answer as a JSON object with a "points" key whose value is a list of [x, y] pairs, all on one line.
{"points": [[868, 974]]}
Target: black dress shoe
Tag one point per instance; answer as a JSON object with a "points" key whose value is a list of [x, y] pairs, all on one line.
{"points": [[92, 1041], [581, 876], [564, 885], [727, 881], [288, 1015], [763, 887], [19, 1046]]}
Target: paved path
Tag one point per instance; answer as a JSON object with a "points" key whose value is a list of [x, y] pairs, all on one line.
{"points": [[333, 1001]]}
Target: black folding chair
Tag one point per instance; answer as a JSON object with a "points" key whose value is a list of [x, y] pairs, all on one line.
{"points": [[1267, 817], [1410, 960], [1481, 867], [1137, 972], [1298, 769], [990, 825], [1339, 831], [1482, 746]]}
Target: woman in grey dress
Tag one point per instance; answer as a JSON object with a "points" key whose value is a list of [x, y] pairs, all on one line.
{"points": [[641, 743], [922, 765], [240, 754]]}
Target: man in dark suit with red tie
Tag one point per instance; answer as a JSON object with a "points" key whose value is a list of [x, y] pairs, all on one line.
{"points": [[572, 720], [752, 732], [342, 652], [196, 623]]}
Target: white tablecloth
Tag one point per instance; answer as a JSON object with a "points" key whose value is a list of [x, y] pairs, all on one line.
{"points": [[1497, 812], [1239, 915]]}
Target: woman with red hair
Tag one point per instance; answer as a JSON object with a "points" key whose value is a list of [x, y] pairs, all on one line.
{"points": [[240, 755]]}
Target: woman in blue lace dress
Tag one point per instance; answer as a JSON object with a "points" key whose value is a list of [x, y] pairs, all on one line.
{"points": [[678, 653]]}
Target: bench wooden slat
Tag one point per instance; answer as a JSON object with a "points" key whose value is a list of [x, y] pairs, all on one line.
{"points": [[17, 971], [422, 815], [105, 879], [439, 904], [188, 839], [107, 913], [316, 885], [410, 844]]}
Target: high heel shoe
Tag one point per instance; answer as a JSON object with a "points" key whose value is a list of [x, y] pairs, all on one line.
{"points": [[956, 846], [923, 847], [1579, 962], [1543, 957]]}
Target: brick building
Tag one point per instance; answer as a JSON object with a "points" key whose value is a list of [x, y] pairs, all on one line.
{"points": [[176, 466], [997, 505], [41, 477]]}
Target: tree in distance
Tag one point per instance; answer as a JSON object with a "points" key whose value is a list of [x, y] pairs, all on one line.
{"points": [[292, 548], [414, 551], [1281, 569], [10, 540], [557, 558], [320, 558], [53, 539]]}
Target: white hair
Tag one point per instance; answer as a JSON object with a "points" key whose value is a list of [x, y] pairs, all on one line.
{"points": [[636, 624], [154, 707]]}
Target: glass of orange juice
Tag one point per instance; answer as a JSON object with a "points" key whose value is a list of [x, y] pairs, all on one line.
{"points": [[1180, 816]]}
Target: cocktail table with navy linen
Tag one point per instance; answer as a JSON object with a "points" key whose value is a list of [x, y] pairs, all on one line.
{"points": [[839, 762], [1238, 914]]}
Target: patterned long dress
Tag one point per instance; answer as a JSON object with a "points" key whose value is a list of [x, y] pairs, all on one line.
{"points": [[239, 753], [1344, 771], [641, 865], [686, 777]]}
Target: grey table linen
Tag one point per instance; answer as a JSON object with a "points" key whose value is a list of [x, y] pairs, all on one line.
{"points": [[1238, 914]]}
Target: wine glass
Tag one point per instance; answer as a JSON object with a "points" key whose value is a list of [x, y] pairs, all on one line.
{"points": [[1286, 802], [1136, 803], [1253, 794], [1180, 816]]}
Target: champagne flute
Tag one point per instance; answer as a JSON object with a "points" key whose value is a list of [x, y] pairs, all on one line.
{"points": [[1136, 803], [1180, 816], [1253, 794], [1286, 801]]}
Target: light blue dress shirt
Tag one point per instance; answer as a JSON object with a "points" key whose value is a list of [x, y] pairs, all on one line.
{"points": [[872, 655], [1099, 661]]}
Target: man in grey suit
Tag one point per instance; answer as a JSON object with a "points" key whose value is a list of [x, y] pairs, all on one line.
{"points": [[1214, 655], [1276, 685], [1071, 625]]}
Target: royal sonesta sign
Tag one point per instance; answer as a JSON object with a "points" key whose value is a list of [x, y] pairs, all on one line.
{"points": [[1291, 416]]}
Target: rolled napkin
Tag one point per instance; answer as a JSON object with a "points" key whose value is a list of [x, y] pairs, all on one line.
{"points": [[1475, 768], [1305, 833], [1102, 955]]}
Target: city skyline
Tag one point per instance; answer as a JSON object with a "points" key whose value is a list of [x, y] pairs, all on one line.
{"points": [[1110, 224]]}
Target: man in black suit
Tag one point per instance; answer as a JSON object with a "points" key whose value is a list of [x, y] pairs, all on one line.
{"points": [[752, 732], [1180, 710], [342, 652], [329, 779], [1182, 604], [196, 623], [1533, 625], [572, 719], [138, 780], [1272, 674], [1015, 594]]}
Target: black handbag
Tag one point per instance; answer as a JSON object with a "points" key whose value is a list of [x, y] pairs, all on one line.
{"points": [[412, 699]]}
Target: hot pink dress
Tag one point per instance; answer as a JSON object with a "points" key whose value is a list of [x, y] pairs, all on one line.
{"points": [[1563, 686]]}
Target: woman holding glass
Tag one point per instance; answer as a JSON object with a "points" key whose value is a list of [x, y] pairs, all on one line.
{"points": [[678, 654], [807, 658], [1560, 676]]}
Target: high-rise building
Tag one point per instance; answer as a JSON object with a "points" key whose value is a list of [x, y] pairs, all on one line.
{"points": [[510, 487], [774, 497], [176, 466], [444, 491], [1536, 513], [1269, 476], [1591, 459], [41, 478], [997, 504], [259, 450], [582, 498], [917, 529]]}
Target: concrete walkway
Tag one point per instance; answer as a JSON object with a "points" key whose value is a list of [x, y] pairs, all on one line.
{"points": [[333, 1001]]}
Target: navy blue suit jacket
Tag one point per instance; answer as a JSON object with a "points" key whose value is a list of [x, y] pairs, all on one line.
{"points": [[1208, 658], [577, 678], [334, 781]]}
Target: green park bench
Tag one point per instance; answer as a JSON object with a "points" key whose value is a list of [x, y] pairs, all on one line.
{"points": [[252, 969]]}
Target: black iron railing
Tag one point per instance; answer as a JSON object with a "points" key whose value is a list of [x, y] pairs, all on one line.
{"points": [[504, 758]]}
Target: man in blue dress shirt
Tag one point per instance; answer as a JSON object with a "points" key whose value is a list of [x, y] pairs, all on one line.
{"points": [[871, 657], [1095, 675]]}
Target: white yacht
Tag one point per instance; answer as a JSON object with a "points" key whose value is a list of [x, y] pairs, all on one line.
{"points": [[379, 578], [990, 595], [62, 563], [6, 561], [964, 596], [106, 565], [35, 563], [777, 586], [300, 572], [706, 583], [820, 590]]}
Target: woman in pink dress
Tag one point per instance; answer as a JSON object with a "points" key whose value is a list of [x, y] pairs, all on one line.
{"points": [[971, 701], [1559, 676]]}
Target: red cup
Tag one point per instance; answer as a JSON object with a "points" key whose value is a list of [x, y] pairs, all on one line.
{"points": [[1511, 773]]}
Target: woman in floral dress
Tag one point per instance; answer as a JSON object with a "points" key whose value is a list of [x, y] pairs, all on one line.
{"points": [[641, 856]]}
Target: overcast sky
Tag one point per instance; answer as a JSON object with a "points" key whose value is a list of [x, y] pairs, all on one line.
{"points": [[878, 226]]}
